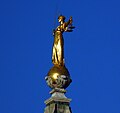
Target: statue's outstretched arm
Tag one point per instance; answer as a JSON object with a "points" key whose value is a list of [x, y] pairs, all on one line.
{"points": [[68, 25], [69, 22]]}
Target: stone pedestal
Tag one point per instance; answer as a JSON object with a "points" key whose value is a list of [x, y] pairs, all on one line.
{"points": [[58, 78], [58, 102]]}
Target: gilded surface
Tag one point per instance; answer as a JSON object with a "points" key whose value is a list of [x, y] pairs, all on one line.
{"points": [[58, 45]]}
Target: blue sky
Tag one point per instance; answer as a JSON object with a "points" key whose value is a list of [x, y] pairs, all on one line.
{"points": [[92, 54]]}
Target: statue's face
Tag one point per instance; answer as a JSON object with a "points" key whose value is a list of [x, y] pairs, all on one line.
{"points": [[60, 19]]}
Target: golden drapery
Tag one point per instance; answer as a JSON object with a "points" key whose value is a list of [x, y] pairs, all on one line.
{"points": [[58, 48]]}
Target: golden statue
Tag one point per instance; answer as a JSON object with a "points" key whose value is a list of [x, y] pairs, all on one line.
{"points": [[58, 76], [58, 45]]}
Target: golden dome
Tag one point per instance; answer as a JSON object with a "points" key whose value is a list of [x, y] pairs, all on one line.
{"points": [[58, 77], [56, 71]]}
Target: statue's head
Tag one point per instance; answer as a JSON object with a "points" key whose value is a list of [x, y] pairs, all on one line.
{"points": [[61, 18]]}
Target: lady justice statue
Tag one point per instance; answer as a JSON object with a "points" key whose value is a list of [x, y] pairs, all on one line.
{"points": [[59, 70], [58, 46]]}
